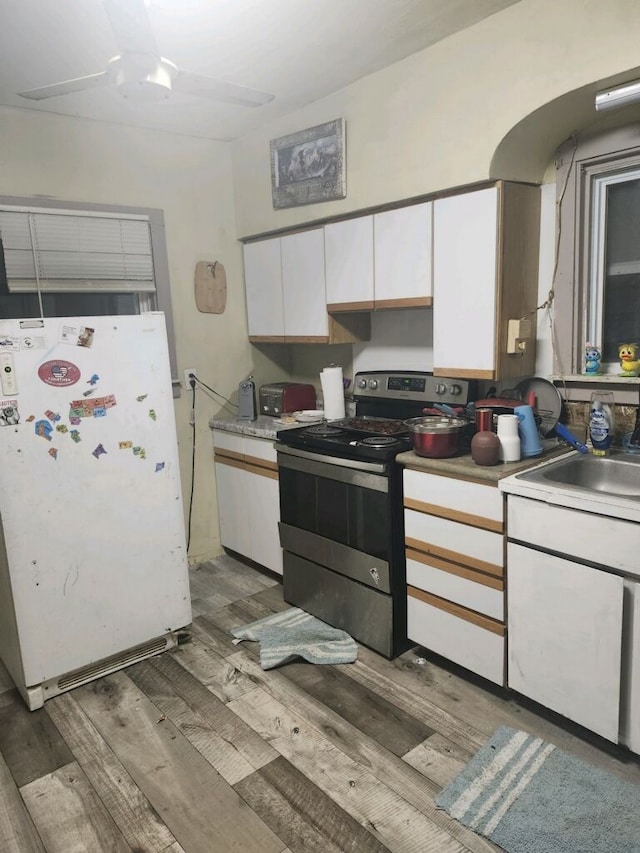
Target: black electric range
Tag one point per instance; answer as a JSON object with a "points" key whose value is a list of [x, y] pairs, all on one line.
{"points": [[384, 401]]}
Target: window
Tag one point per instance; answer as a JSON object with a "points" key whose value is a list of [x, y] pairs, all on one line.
{"points": [[83, 260], [597, 287], [613, 315]]}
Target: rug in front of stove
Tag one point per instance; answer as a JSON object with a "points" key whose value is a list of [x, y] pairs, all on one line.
{"points": [[292, 634], [530, 797]]}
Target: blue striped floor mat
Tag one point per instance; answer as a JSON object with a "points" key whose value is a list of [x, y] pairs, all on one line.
{"points": [[530, 797]]}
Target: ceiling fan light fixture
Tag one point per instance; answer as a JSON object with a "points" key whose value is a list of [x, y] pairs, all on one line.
{"points": [[143, 82], [621, 96]]}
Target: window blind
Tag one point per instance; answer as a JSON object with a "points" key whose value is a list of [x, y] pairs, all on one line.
{"points": [[65, 252]]}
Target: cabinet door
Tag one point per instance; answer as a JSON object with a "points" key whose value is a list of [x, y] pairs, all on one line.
{"points": [[348, 251], [402, 252], [263, 511], [303, 285], [263, 287], [565, 637], [630, 710], [464, 284], [232, 511]]}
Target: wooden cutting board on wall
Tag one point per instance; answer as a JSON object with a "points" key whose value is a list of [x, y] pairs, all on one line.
{"points": [[210, 284]]}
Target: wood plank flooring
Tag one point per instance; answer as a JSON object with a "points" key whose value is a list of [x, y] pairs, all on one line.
{"points": [[199, 750]]}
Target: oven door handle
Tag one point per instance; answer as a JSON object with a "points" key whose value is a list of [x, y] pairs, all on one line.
{"points": [[372, 475]]}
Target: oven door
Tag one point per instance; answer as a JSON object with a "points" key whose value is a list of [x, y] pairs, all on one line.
{"points": [[337, 515]]}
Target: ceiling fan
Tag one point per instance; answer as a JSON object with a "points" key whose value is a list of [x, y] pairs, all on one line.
{"points": [[140, 73]]}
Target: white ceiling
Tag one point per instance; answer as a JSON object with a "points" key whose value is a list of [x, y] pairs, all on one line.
{"points": [[299, 50]]}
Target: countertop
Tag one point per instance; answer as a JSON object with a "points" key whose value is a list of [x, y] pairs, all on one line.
{"points": [[262, 427], [458, 466], [464, 466]]}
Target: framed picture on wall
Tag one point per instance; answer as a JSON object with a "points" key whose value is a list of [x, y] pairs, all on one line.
{"points": [[309, 166]]}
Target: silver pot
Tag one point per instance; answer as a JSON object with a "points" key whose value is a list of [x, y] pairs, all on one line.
{"points": [[436, 437]]}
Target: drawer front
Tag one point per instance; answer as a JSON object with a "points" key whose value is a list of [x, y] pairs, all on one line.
{"points": [[482, 593], [458, 498], [463, 642], [581, 535], [451, 540], [232, 441], [260, 448]]}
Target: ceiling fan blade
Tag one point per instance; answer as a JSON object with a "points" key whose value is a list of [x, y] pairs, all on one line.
{"points": [[93, 81], [219, 90], [131, 26]]}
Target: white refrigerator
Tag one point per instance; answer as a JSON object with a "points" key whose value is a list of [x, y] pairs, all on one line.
{"points": [[93, 562]]}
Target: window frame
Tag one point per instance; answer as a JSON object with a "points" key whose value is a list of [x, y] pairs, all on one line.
{"points": [[160, 259], [578, 162]]}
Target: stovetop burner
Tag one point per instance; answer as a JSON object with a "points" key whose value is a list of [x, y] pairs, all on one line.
{"points": [[379, 441], [323, 430]]}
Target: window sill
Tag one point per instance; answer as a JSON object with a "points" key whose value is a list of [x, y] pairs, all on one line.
{"points": [[577, 387]]}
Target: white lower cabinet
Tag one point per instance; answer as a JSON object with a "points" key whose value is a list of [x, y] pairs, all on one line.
{"points": [[454, 544], [630, 696], [565, 637], [248, 497], [574, 615]]}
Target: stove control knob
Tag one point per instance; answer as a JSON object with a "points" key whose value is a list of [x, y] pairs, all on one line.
{"points": [[362, 383], [373, 384], [455, 390], [441, 388]]}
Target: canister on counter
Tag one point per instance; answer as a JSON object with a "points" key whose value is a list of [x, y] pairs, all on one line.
{"points": [[484, 420]]}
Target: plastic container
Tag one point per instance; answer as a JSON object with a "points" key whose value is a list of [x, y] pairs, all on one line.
{"points": [[627, 447], [509, 438], [530, 444]]}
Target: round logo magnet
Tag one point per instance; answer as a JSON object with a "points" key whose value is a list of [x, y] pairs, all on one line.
{"points": [[59, 373]]}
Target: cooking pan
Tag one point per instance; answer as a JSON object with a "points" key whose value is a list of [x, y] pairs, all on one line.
{"points": [[548, 402], [437, 437]]}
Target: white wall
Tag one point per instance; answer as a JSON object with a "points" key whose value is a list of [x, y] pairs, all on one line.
{"points": [[434, 120], [189, 179]]}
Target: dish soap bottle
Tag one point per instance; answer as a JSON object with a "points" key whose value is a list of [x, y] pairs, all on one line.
{"points": [[601, 422]]}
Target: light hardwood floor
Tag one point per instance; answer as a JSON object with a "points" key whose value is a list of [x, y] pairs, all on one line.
{"points": [[199, 750]]}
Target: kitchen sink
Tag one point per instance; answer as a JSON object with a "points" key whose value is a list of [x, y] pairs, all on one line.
{"points": [[617, 475]]}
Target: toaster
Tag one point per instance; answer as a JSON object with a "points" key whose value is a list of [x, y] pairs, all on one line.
{"points": [[276, 398]]}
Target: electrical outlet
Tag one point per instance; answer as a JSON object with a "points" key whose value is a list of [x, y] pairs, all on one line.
{"points": [[188, 370]]}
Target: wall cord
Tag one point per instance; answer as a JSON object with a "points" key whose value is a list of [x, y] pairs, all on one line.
{"points": [[193, 382], [192, 421]]}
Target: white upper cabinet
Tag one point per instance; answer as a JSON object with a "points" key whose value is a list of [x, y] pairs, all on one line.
{"points": [[348, 247], [303, 285], [464, 281], [485, 272], [286, 298], [263, 284], [380, 261], [402, 242]]}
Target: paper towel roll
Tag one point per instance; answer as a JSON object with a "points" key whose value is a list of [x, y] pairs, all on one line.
{"points": [[333, 393]]}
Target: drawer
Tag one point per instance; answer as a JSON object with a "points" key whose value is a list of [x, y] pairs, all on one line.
{"points": [[451, 540], [257, 452], [471, 589], [471, 503], [232, 441], [476, 645], [260, 448], [580, 535]]}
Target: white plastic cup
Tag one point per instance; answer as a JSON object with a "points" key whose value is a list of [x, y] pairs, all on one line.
{"points": [[509, 438]]}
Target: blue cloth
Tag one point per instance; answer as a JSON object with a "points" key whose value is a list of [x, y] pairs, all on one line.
{"points": [[295, 634]]}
